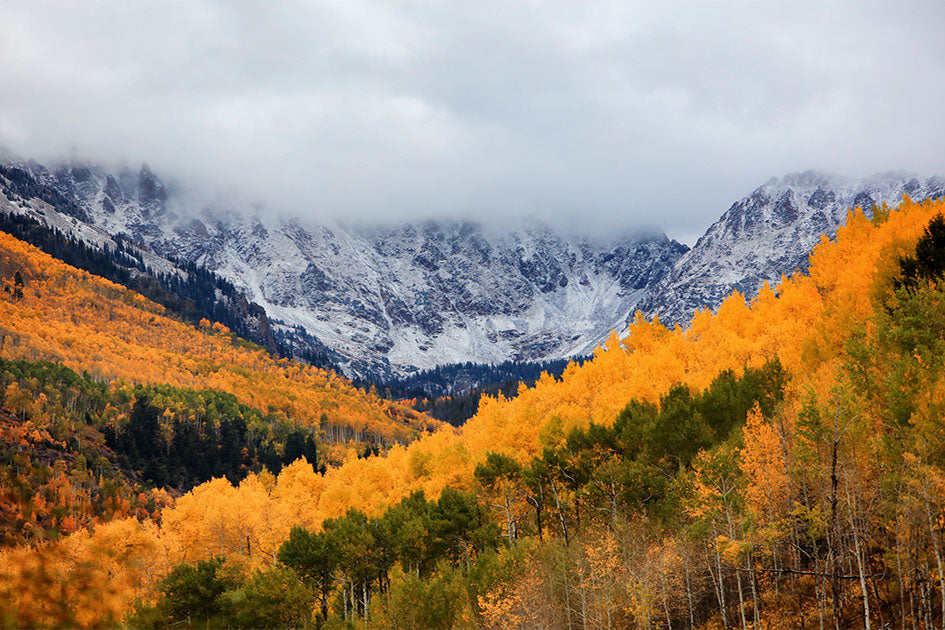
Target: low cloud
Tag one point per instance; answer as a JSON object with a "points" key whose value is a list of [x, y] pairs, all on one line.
{"points": [[613, 115]]}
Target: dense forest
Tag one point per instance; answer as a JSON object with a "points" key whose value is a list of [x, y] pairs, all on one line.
{"points": [[451, 393], [57, 313], [460, 378], [192, 294], [777, 464], [76, 450], [19, 185]]}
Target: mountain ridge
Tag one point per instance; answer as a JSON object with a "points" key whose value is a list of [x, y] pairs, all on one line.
{"points": [[770, 232], [387, 300]]}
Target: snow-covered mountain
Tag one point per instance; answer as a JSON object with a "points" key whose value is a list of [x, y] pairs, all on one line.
{"points": [[770, 232], [388, 300], [391, 299], [432, 293]]}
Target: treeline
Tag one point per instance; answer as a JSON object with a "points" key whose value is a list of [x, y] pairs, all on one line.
{"points": [[460, 378], [191, 450], [195, 294], [430, 564], [459, 408], [451, 393], [420, 561], [21, 186], [120, 437]]}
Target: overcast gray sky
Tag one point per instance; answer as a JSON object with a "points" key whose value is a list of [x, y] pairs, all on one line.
{"points": [[619, 114]]}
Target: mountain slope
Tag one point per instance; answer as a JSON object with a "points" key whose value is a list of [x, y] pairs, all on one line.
{"points": [[806, 327], [769, 233], [389, 300], [44, 217], [420, 296], [51, 311]]}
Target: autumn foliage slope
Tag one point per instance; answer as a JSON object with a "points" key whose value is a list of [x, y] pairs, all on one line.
{"points": [[93, 325], [819, 505]]}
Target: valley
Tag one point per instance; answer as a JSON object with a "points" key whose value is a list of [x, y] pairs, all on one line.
{"points": [[472, 316], [383, 302], [625, 470]]}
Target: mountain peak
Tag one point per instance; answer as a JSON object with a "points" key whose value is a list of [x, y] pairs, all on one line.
{"points": [[389, 299], [810, 179], [770, 232], [151, 189]]}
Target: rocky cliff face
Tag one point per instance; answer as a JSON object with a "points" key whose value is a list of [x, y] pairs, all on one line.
{"points": [[388, 300], [770, 232], [421, 295]]}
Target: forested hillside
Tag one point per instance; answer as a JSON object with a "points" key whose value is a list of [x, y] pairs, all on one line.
{"points": [[54, 312], [452, 392], [778, 464], [191, 292]]}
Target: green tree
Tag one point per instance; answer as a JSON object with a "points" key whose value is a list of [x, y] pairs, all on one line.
{"points": [[314, 557], [501, 477], [364, 558], [410, 530], [460, 529], [928, 262], [679, 431], [191, 593], [433, 604], [270, 599]]}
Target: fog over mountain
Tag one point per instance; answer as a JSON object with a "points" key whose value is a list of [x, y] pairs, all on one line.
{"points": [[611, 115], [386, 300]]}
